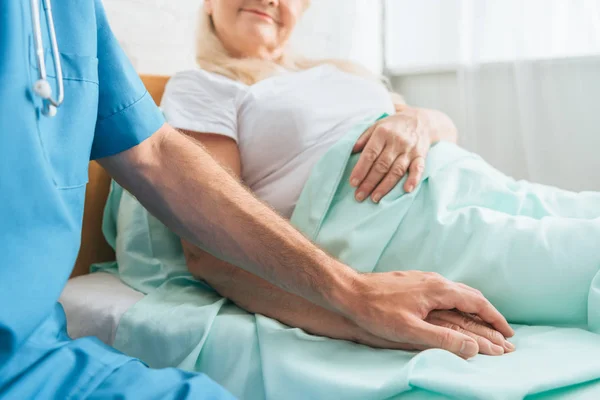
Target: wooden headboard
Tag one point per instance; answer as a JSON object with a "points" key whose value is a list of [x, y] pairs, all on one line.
{"points": [[93, 246]]}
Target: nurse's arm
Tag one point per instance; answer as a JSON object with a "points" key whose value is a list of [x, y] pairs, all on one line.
{"points": [[256, 295], [178, 181], [181, 184]]}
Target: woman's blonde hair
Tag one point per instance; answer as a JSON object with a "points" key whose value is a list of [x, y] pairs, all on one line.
{"points": [[212, 56]]}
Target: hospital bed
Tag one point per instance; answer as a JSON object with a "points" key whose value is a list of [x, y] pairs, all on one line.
{"points": [[94, 303], [549, 357]]}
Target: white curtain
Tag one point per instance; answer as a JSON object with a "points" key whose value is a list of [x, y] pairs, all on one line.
{"points": [[521, 78]]}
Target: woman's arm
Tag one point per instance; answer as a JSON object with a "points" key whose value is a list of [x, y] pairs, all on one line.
{"points": [[436, 123], [259, 296], [439, 125]]}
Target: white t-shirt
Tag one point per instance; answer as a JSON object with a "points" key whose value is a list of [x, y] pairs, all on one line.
{"points": [[282, 125]]}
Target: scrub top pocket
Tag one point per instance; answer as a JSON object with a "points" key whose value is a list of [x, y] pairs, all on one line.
{"points": [[64, 138]]}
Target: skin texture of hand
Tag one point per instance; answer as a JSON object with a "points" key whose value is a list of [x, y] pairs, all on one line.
{"points": [[391, 148], [490, 341], [396, 146], [396, 306]]}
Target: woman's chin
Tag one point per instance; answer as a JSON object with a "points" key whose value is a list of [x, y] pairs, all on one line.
{"points": [[258, 41]]}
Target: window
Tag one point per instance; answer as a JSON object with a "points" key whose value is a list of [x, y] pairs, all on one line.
{"points": [[442, 34]]}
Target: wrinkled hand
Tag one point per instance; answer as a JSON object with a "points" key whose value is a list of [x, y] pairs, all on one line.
{"points": [[398, 306], [392, 147], [490, 341]]}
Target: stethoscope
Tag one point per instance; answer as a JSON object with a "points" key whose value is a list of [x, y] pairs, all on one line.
{"points": [[42, 87]]}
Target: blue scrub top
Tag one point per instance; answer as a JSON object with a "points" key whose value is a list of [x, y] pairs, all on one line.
{"points": [[44, 171]]}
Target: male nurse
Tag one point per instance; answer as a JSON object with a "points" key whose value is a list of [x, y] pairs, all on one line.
{"points": [[107, 115]]}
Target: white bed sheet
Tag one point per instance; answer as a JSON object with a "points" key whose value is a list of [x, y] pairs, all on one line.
{"points": [[95, 303]]}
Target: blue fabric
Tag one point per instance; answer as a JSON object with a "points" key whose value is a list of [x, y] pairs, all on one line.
{"points": [[533, 250], [43, 167], [134, 380]]}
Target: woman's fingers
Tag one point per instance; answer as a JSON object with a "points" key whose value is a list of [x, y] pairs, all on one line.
{"points": [[394, 306], [444, 338], [391, 179], [415, 174], [485, 346], [382, 164], [508, 333], [369, 155], [471, 301], [363, 139], [475, 326], [381, 167]]}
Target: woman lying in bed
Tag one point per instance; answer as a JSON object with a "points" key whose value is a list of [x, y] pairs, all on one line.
{"points": [[269, 116]]}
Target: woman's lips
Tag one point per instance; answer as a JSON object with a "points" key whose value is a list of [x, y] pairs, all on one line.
{"points": [[260, 14]]}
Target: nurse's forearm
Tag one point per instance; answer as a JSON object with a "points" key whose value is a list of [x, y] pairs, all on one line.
{"points": [[180, 183], [258, 296]]}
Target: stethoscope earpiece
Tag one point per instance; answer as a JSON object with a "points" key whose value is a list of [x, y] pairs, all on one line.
{"points": [[50, 111], [42, 88]]}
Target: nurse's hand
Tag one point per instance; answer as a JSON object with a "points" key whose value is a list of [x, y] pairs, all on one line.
{"points": [[391, 148], [397, 307], [490, 341]]}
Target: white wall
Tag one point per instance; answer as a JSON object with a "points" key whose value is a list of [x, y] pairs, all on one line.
{"points": [[346, 29], [158, 35]]}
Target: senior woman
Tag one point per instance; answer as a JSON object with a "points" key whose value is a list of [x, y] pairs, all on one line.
{"points": [[268, 116]]}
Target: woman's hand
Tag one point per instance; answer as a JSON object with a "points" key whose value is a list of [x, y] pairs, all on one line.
{"points": [[398, 306], [490, 341], [391, 148]]}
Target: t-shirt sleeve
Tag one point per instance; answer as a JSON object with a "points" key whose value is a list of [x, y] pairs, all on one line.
{"points": [[201, 101], [127, 115]]}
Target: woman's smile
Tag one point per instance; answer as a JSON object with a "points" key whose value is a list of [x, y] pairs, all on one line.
{"points": [[260, 14]]}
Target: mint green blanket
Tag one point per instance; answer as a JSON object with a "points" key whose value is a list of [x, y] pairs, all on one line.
{"points": [[534, 251]]}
